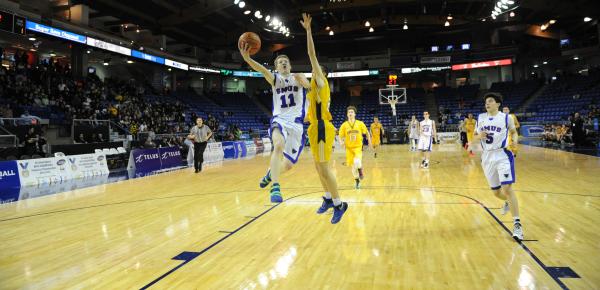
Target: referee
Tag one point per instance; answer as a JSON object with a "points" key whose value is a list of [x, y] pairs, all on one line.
{"points": [[199, 134]]}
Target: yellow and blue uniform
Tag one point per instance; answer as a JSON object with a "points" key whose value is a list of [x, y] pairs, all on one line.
{"points": [[470, 127], [353, 139], [321, 133]]}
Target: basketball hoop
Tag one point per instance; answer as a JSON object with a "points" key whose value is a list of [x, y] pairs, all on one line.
{"points": [[392, 96]]}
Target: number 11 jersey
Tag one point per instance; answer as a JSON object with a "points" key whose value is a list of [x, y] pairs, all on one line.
{"points": [[289, 99]]}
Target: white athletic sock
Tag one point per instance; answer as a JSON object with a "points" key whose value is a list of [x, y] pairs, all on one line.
{"points": [[336, 201], [328, 195]]}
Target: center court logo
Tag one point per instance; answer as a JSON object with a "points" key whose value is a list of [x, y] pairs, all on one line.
{"points": [[141, 158]]}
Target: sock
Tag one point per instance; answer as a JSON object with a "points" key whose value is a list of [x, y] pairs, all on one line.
{"points": [[517, 220], [328, 195], [336, 201], [268, 176]]}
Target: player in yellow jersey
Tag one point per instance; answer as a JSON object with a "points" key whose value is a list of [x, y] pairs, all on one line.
{"points": [[512, 146], [351, 135], [470, 124], [321, 133], [376, 132]]}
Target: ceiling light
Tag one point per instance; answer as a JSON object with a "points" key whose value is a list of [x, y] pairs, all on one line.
{"points": [[367, 23], [497, 9], [552, 21], [575, 58], [287, 34], [493, 16], [483, 20], [242, 4], [169, 69], [257, 13], [275, 21], [236, 2], [510, 2], [512, 14], [405, 27], [543, 27], [247, 12], [327, 28], [331, 32], [105, 63], [52, 54], [89, 51], [545, 62], [137, 31], [268, 18], [32, 38], [504, 1], [535, 65], [371, 29], [587, 19], [129, 61], [504, 6], [449, 17], [201, 78], [447, 23]]}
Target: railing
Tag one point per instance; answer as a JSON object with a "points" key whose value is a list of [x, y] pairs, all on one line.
{"points": [[26, 121], [110, 125]]}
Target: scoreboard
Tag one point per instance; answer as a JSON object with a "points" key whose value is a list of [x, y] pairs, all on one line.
{"points": [[12, 23]]}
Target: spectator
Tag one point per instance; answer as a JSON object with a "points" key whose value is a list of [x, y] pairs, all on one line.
{"points": [[577, 130]]}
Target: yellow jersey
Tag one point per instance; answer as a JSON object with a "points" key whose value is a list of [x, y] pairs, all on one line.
{"points": [[353, 133], [376, 129], [319, 99], [470, 125]]}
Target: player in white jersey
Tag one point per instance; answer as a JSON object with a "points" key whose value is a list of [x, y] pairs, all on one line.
{"points": [[427, 133], [413, 133], [289, 108], [492, 131]]}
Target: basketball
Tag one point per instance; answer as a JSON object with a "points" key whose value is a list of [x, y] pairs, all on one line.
{"points": [[252, 40]]}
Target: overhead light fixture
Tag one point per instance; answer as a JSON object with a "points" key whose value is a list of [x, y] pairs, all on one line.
{"points": [[447, 23], [575, 58], [504, 1], [331, 32], [552, 21], [268, 18], [242, 4], [287, 34], [511, 14], [89, 51], [543, 27], [105, 63], [367, 23], [371, 29], [276, 21], [535, 65], [504, 6], [510, 2], [327, 28], [493, 16], [545, 62], [257, 13], [33, 49], [587, 19], [449, 17], [235, 80], [137, 30], [52, 54], [201, 78], [483, 20], [169, 69], [247, 12], [405, 27], [236, 2], [32, 38], [497, 9], [129, 61]]}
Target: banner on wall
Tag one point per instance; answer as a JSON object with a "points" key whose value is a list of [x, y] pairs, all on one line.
{"points": [[214, 152], [43, 171], [9, 175], [170, 157], [532, 130], [449, 137], [229, 150], [241, 149], [143, 162], [86, 165], [250, 148]]}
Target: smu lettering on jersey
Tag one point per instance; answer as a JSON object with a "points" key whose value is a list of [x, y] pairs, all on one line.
{"points": [[426, 127], [497, 130], [289, 98]]}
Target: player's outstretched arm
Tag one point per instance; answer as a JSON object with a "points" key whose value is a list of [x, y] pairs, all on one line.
{"points": [[245, 52], [312, 54]]}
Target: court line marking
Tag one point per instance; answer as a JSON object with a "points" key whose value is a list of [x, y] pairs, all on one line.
{"points": [[372, 187], [523, 246], [197, 254]]}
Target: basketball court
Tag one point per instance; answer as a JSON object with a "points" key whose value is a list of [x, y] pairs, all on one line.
{"points": [[407, 228]]}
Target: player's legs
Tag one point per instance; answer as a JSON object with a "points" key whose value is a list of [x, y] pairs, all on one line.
{"points": [[470, 136], [376, 143], [276, 163], [413, 144]]}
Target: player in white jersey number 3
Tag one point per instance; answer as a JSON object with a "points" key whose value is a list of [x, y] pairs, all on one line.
{"points": [[491, 130]]}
